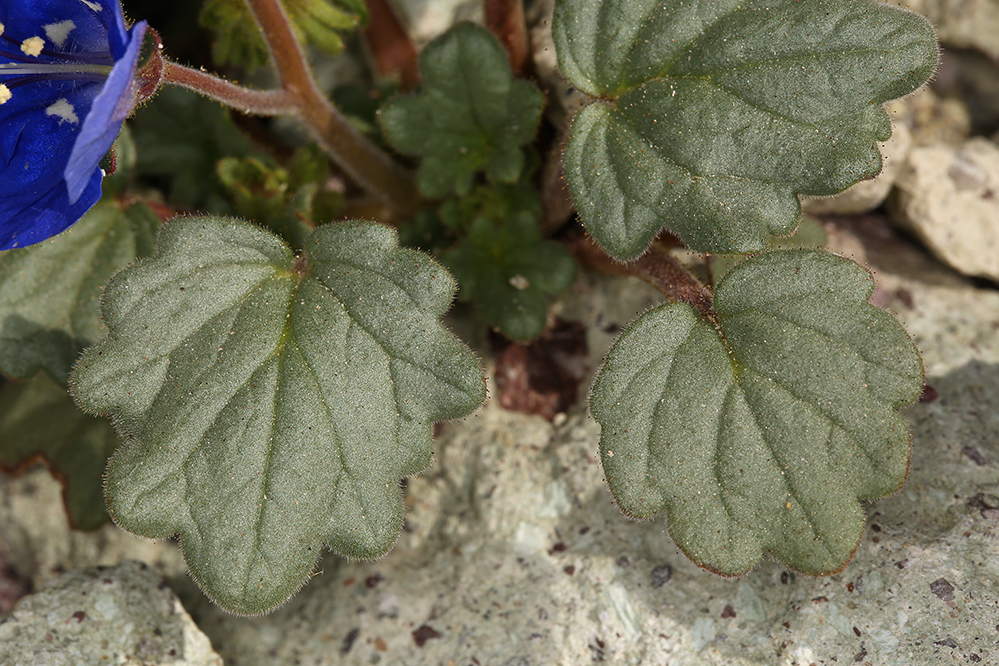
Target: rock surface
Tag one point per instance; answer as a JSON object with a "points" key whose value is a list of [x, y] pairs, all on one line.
{"points": [[104, 615], [948, 196], [514, 552]]}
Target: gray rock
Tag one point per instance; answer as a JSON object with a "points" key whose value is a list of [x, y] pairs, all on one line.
{"points": [[514, 552], [947, 196], [104, 615], [970, 24]]}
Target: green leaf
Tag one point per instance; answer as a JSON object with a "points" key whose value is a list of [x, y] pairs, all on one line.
{"points": [[180, 136], [270, 405], [507, 270], [471, 116], [39, 421], [713, 117], [809, 234], [763, 438], [49, 292], [238, 41]]}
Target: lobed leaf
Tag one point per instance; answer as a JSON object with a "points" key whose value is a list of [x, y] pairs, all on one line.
{"points": [[269, 405], [713, 117], [49, 292], [471, 115], [761, 435], [507, 270]]}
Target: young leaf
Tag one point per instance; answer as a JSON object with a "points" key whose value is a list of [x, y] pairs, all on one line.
{"points": [[237, 37], [472, 114], [507, 270], [763, 438], [49, 292], [269, 405], [713, 117], [39, 420], [181, 135]]}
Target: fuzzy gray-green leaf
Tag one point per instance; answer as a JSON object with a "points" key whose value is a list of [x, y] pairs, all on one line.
{"points": [[50, 292], [713, 117], [270, 405], [764, 438]]}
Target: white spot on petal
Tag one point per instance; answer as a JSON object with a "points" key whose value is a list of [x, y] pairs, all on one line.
{"points": [[1, 28], [63, 110], [4, 94], [58, 32], [33, 46], [93, 5]]}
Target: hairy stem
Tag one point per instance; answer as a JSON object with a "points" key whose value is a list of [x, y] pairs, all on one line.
{"points": [[371, 168], [244, 100], [657, 267]]}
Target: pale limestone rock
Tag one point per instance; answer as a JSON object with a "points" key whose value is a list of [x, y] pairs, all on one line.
{"points": [[947, 196], [104, 615]]}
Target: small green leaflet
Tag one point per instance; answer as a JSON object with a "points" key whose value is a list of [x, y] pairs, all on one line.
{"points": [[761, 435], [507, 270], [270, 404], [49, 292], [711, 118], [39, 420], [471, 115]]}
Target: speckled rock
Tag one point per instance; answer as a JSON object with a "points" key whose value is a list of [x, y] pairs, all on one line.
{"points": [[947, 196], [970, 24], [514, 552], [104, 615]]}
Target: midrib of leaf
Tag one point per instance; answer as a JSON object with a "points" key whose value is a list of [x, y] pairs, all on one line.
{"points": [[787, 479], [686, 48], [357, 322]]}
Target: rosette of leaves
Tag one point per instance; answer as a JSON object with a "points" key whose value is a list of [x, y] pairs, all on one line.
{"points": [[472, 115], [760, 426], [269, 404], [709, 119], [321, 23]]}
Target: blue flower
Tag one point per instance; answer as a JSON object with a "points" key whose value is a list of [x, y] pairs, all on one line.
{"points": [[67, 82]]}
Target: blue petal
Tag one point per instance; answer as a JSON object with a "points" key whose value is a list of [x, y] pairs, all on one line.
{"points": [[103, 122], [94, 21], [34, 148]]}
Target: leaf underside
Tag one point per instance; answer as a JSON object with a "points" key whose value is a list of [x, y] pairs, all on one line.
{"points": [[763, 438], [268, 408], [49, 292], [713, 117]]}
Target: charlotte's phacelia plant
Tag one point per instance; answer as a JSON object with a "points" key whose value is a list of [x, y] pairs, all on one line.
{"points": [[67, 83], [271, 383]]}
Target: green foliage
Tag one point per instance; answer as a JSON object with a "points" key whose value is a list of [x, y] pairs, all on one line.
{"points": [[713, 117], [762, 434], [471, 115], [180, 137], [39, 421], [507, 270], [49, 292], [809, 234], [270, 404], [289, 201], [321, 23]]}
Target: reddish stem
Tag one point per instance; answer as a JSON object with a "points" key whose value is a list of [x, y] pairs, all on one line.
{"points": [[392, 49], [371, 168], [656, 266], [245, 100], [505, 18]]}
